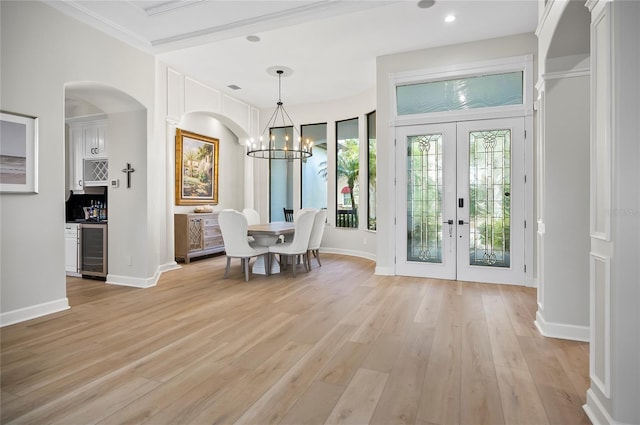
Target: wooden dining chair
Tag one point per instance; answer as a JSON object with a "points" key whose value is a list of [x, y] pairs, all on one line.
{"points": [[288, 215]]}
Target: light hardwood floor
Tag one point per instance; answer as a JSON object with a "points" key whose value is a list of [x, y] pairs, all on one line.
{"points": [[339, 345]]}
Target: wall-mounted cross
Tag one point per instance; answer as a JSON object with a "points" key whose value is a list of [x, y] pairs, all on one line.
{"points": [[128, 170]]}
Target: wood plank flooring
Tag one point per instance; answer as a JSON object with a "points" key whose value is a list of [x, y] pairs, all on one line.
{"points": [[339, 345]]}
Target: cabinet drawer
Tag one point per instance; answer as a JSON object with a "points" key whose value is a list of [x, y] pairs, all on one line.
{"points": [[211, 221], [212, 242], [211, 232]]}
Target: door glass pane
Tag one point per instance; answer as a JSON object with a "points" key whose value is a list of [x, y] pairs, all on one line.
{"points": [[490, 195], [424, 198]]}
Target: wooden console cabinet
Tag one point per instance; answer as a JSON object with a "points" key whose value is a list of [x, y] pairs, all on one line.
{"points": [[196, 235]]}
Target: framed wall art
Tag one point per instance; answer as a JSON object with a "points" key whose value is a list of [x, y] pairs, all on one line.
{"points": [[196, 169], [18, 153]]}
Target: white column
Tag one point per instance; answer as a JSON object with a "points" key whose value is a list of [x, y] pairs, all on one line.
{"points": [[615, 214]]}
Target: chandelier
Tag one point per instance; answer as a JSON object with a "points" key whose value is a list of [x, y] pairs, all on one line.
{"points": [[278, 144]]}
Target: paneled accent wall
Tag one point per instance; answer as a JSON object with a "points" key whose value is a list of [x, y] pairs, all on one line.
{"points": [[175, 95], [239, 111], [184, 94], [601, 126], [199, 97], [614, 213], [600, 356], [600, 188]]}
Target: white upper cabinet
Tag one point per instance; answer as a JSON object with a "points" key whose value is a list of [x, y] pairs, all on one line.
{"points": [[95, 139], [87, 140]]}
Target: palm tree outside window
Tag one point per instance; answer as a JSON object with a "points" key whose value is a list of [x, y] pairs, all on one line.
{"points": [[372, 156], [347, 173]]}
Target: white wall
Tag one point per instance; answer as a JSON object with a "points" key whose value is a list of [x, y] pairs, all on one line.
{"points": [[128, 255], [359, 242], [42, 50], [417, 60], [564, 281], [563, 171]]}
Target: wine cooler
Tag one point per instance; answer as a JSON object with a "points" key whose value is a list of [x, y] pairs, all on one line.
{"points": [[93, 250]]}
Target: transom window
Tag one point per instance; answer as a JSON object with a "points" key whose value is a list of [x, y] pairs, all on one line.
{"points": [[460, 94]]}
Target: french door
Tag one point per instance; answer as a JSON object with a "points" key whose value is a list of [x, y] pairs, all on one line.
{"points": [[460, 201]]}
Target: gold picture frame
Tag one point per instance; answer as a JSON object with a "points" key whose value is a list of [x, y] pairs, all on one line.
{"points": [[196, 168]]}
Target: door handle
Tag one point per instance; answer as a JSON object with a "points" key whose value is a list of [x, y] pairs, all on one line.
{"points": [[461, 222], [450, 223]]}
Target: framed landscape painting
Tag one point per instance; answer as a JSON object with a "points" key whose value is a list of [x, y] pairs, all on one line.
{"points": [[196, 169], [18, 153]]}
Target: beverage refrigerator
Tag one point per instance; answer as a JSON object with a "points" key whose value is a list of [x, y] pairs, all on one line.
{"points": [[93, 249]]}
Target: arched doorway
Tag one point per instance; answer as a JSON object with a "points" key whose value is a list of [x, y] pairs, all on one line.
{"points": [[563, 173], [123, 138]]}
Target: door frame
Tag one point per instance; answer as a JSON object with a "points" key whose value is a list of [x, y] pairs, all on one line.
{"points": [[454, 264], [522, 63]]}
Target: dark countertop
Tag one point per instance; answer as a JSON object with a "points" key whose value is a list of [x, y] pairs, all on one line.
{"points": [[83, 221]]}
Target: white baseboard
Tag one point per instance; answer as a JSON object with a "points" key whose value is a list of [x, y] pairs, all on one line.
{"points": [[139, 282], [385, 271], [361, 254], [596, 412], [560, 330], [172, 265], [34, 311], [134, 282]]}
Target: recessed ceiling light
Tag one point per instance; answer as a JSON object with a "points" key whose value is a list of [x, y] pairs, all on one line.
{"points": [[253, 38], [450, 18], [425, 4]]}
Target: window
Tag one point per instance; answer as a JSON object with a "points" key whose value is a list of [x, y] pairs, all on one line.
{"points": [[313, 175], [371, 169], [347, 173], [280, 177], [460, 94]]}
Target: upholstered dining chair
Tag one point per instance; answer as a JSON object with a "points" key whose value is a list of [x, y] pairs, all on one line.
{"points": [[296, 213], [253, 217], [233, 225], [299, 245], [316, 236]]}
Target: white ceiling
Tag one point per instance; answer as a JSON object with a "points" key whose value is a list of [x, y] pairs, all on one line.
{"points": [[330, 45]]}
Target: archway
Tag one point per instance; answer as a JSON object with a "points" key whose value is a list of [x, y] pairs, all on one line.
{"points": [[125, 125], [563, 173]]}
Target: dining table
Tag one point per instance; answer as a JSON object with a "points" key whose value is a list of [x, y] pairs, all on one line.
{"points": [[267, 234]]}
